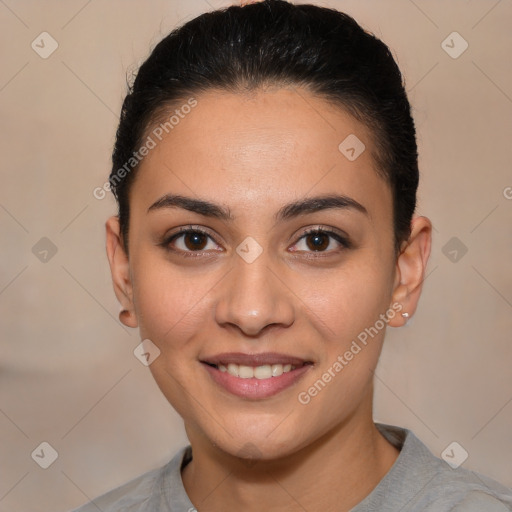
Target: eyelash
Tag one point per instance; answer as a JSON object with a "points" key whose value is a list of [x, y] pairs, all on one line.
{"points": [[343, 241], [190, 230]]}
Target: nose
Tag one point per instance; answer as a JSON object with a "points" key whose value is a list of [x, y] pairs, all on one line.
{"points": [[253, 298]]}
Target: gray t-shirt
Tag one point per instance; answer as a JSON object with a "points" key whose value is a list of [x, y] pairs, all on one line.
{"points": [[417, 481]]}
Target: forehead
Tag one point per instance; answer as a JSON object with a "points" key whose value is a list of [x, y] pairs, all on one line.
{"points": [[263, 147]]}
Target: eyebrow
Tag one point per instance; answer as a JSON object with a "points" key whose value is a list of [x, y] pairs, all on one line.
{"points": [[287, 212], [200, 206], [318, 203]]}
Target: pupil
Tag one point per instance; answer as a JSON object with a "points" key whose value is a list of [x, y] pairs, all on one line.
{"points": [[195, 241], [318, 242]]}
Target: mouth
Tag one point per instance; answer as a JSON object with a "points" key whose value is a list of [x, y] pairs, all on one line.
{"points": [[265, 371], [255, 375]]}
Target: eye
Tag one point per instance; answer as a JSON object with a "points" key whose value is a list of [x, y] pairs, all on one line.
{"points": [[320, 240], [190, 240]]}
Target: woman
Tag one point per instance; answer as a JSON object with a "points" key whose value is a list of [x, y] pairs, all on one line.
{"points": [[265, 170]]}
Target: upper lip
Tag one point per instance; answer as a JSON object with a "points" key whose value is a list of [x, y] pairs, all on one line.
{"points": [[254, 359]]}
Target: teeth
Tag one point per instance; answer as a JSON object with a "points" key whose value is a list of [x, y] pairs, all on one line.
{"points": [[259, 372], [233, 369], [263, 372], [245, 372], [277, 369]]}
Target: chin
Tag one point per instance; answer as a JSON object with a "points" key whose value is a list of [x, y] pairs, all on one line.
{"points": [[259, 449], [256, 441]]}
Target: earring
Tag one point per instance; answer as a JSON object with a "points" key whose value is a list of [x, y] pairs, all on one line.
{"points": [[405, 315]]}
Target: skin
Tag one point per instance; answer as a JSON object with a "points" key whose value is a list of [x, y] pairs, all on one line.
{"points": [[253, 154]]}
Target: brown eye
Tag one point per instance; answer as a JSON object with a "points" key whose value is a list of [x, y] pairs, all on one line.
{"points": [[317, 241], [321, 241], [195, 241], [190, 241]]}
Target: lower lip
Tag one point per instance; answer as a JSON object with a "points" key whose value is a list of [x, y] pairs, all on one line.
{"points": [[256, 388]]}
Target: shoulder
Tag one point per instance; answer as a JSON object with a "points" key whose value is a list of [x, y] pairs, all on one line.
{"points": [[421, 481], [129, 496], [145, 493], [461, 490], [477, 501]]}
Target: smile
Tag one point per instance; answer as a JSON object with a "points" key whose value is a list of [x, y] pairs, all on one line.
{"points": [[259, 372], [256, 376]]}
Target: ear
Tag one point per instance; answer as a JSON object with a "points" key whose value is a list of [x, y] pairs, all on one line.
{"points": [[120, 270], [410, 269]]}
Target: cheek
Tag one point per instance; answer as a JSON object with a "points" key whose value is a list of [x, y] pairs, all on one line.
{"points": [[171, 307], [348, 300], [346, 310], [170, 304]]}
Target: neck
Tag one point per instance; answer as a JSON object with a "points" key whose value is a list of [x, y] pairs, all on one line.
{"points": [[336, 472]]}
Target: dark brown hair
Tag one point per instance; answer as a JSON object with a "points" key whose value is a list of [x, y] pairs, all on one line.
{"points": [[276, 43]]}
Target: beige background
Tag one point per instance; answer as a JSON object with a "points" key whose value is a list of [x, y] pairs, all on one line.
{"points": [[67, 372]]}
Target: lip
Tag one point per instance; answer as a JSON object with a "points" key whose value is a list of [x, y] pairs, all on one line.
{"points": [[256, 389]]}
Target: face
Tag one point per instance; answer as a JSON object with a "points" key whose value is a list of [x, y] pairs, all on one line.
{"points": [[259, 256]]}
